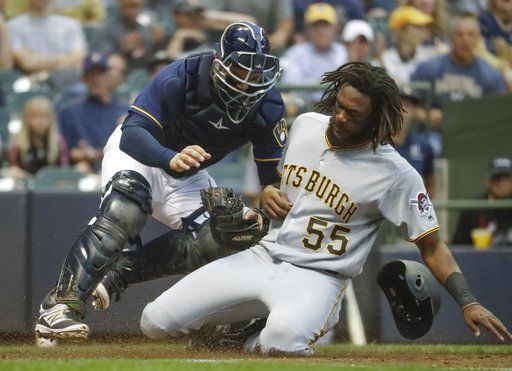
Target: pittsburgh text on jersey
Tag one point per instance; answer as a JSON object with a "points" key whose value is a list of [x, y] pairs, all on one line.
{"points": [[323, 187]]}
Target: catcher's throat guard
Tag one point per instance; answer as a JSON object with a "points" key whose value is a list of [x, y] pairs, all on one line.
{"points": [[227, 223], [413, 295]]}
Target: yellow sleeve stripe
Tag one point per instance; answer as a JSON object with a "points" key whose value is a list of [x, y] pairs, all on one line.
{"points": [[148, 115], [425, 234], [266, 159]]}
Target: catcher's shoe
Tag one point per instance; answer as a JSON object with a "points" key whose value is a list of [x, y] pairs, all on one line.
{"points": [[225, 337], [111, 285], [60, 322]]}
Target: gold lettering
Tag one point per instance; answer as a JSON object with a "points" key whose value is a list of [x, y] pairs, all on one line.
{"points": [[298, 176], [290, 169], [332, 195], [310, 185], [351, 210], [285, 168], [340, 207], [320, 193]]}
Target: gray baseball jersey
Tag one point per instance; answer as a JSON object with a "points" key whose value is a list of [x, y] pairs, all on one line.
{"points": [[340, 197]]}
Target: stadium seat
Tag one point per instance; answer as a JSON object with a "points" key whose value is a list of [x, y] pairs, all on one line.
{"points": [[56, 177]]}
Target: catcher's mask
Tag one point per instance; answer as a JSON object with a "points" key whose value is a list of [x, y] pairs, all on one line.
{"points": [[413, 294], [244, 71]]}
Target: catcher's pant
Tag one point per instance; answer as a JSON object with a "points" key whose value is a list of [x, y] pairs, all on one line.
{"points": [[301, 304], [172, 198]]}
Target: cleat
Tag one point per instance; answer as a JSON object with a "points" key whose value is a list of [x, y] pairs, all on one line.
{"points": [[60, 322], [225, 337], [111, 287]]}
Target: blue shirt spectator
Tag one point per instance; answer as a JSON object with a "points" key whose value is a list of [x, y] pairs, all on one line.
{"points": [[418, 152], [455, 82], [86, 125], [460, 74], [491, 30]]}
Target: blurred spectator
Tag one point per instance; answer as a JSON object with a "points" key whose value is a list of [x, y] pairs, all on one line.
{"points": [[275, 16], [118, 67], [497, 222], [496, 25], [458, 74], [346, 9], [358, 38], [400, 61], [85, 11], [5, 47], [435, 35], [190, 34], [47, 43], [160, 60], [37, 144], [306, 62], [122, 32], [86, 125], [412, 146]]}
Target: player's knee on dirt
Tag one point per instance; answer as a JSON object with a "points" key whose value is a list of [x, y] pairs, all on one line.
{"points": [[122, 214], [155, 323], [280, 336]]}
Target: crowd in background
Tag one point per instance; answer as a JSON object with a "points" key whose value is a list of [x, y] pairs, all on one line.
{"points": [[69, 68]]}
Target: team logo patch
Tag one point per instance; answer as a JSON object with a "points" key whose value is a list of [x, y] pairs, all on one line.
{"points": [[281, 132], [422, 203]]}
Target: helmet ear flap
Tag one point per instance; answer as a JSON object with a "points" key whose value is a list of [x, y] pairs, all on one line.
{"points": [[413, 295]]}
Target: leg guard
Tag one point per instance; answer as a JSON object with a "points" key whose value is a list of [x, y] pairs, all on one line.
{"points": [[121, 216], [175, 252]]}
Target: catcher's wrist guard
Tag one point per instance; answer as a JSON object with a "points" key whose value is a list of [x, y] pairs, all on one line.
{"points": [[228, 226]]}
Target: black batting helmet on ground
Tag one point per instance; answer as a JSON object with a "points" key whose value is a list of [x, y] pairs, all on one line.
{"points": [[413, 294]]}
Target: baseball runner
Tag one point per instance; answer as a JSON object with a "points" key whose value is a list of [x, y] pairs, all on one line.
{"points": [[193, 113], [343, 178]]}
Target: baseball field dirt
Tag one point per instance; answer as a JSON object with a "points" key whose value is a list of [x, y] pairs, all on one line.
{"points": [[135, 353]]}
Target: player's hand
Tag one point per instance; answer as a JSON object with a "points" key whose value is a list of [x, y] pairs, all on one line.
{"points": [[275, 202], [253, 215], [189, 157], [476, 315]]}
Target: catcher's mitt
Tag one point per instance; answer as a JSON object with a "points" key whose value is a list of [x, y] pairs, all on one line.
{"points": [[227, 224]]}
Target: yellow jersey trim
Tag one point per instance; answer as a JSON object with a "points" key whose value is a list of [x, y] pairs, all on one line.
{"points": [[148, 114], [266, 159], [425, 234], [326, 322], [346, 148]]}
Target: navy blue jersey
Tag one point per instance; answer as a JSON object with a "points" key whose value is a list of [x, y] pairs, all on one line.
{"points": [[179, 102]]}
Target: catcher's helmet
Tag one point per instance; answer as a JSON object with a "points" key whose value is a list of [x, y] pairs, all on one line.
{"points": [[413, 294], [244, 70]]}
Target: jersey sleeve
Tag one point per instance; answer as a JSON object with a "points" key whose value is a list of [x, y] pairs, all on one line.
{"points": [[267, 151], [406, 204]]}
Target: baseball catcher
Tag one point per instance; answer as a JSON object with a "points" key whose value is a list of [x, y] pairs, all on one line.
{"points": [[231, 227]]}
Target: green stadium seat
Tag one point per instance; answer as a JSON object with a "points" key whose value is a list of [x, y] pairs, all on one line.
{"points": [[56, 177]]}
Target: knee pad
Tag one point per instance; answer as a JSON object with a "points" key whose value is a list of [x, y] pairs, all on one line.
{"points": [[122, 214]]}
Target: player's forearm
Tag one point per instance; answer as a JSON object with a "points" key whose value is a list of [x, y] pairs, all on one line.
{"points": [[138, 143], [443, 266], [439, 259]]}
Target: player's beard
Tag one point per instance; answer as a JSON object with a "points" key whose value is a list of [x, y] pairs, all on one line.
{"points": [[341, 137]]}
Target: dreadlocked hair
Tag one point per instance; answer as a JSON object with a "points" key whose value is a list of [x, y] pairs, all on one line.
{"points": [[386, 118]]}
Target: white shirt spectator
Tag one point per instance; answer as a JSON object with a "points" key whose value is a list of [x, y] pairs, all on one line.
{"points": [[304, 65], [49, 35]]}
